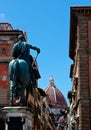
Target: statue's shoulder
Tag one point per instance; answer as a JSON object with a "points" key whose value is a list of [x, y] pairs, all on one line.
{"points": [[24, 42], [16, 44]]}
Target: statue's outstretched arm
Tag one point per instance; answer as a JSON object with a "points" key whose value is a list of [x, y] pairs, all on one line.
{"points": [[35, 48]]}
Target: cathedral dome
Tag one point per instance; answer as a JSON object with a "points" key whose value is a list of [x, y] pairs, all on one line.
{"points": [[57, 100]]}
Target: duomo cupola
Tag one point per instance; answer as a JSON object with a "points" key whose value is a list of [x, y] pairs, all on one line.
{"points": [[57, 100]]}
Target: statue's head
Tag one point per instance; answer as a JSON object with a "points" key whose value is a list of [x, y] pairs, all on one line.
{"points": [[21, 37]]}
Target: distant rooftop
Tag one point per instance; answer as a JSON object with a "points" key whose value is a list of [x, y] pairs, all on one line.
{"points": [[5, 27], [55, 95]]}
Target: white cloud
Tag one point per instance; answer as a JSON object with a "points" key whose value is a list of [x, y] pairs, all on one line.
{"points": [[2, 16]]}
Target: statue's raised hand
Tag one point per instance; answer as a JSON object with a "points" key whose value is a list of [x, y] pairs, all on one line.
{"points": [[38, 50]]}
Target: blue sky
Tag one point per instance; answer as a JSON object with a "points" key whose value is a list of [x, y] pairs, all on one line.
{"points": [[47, 23]]}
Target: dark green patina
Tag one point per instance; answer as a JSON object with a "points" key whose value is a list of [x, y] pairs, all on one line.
{"points": [[21, 71]]}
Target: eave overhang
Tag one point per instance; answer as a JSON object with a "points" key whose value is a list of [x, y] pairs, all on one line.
{"points": [[74, 13]]}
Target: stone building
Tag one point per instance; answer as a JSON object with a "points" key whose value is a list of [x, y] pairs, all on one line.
{"points": [[8, 36], [57, 102], [34, 116], [80, 72], [46, 121]]}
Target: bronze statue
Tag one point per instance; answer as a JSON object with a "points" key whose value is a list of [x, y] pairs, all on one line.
{"points": [[21, 49], [20, 70]]}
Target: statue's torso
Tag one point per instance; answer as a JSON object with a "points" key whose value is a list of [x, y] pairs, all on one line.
{"points": [[22, 51]]}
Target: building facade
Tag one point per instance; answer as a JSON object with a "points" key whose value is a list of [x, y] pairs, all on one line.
{"points": [[80, 72], [57, 104], [34, 116], [8, 36], [57, 99]]}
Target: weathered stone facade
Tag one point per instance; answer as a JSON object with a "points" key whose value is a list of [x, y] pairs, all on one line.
{"points": [[8, 36], [36, 114], [80, 53]]}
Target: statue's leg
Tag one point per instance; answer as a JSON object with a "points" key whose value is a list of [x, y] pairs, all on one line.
{"points": [[22, 96], [11, 92]]}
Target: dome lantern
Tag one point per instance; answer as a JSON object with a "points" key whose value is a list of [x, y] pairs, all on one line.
{"points": [[57, 100], [51, 82]]}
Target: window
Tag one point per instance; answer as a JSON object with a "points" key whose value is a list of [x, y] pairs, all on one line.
{"points": [[3, 51]]}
